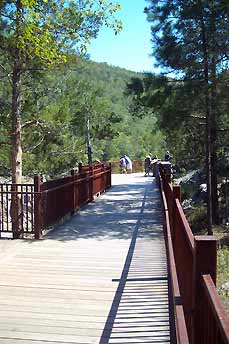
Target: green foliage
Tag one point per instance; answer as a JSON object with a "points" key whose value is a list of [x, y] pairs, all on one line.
{"points": [[46, 29], [223, 262], [173, 106], [223, 274], [190, 40], [54, 111], [197, 219], [179, 30], [37, 34]]}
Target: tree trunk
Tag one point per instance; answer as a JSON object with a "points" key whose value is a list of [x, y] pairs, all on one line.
{"points": [[208, 162], [16, 154], [88, 129], [88, 138], [208, 121], [215, 202], [16, 151]]}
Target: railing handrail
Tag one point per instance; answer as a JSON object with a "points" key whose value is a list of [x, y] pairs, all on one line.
{"points": [[192, 279], [178, 311], [76, 181], [216, 306], [186, 226]]}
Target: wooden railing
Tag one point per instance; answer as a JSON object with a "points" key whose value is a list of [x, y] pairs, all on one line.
{"points": [[215, 322], [195, 267], [178, 328], [43, 204], [25, 205]]}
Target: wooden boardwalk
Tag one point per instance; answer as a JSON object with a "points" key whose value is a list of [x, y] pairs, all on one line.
{"points": [[99, 278]]}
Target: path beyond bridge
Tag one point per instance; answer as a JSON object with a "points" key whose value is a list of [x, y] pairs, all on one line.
{"points": [[99, 278]]}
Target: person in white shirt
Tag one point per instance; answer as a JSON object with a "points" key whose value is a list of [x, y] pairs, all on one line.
{"points": [[128, 164]]}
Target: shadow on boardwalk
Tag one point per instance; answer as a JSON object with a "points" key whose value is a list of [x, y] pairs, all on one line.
{"points": [[132, 210], [139, 311], [114, 214]]}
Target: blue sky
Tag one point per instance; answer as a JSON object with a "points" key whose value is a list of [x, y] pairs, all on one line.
{"points": [[131, 48]]}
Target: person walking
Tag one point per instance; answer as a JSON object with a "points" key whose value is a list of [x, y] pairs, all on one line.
{"points": [[128, 164], [123, 164], [147, 164]]}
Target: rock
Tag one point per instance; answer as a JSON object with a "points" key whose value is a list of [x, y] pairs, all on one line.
{"points": [[7, 180], [224, 289], [192, 177], [186, 204], [203, 187]]}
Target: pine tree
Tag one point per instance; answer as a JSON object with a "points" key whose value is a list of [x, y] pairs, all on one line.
{"points": [[191, 39]]}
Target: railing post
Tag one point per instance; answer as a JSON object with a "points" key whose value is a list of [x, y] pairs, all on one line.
{"points": [[80, 165], [91, 194], [103, 188], [109, 176], [205, 263], [177, 192], [73, 191], [15, 211], [37, 207]]}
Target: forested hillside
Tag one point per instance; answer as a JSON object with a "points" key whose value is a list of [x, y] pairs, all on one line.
{"points": [[56, 104]]}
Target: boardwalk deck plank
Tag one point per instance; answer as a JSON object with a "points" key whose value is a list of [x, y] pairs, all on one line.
{"points": [[99, 278]]}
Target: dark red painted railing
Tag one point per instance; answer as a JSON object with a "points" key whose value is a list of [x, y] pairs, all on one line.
{"points": [[195, 257], [215, 322], [25, 204], [178, 327], [40, 205], [56, 199]]}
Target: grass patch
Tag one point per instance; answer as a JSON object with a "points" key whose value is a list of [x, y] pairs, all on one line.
{"points": [[222, 235], [223, 274]]}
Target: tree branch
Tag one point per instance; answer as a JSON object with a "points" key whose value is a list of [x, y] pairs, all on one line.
{"points": [[7, 73], [223, 129], [33, 123], [35, 146], [198, 117]]}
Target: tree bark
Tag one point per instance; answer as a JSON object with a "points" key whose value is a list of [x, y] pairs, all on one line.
{"points": [[208, 121], [88, 133], [16, 152], [88, 139], [215, 202], [214, 181]]}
